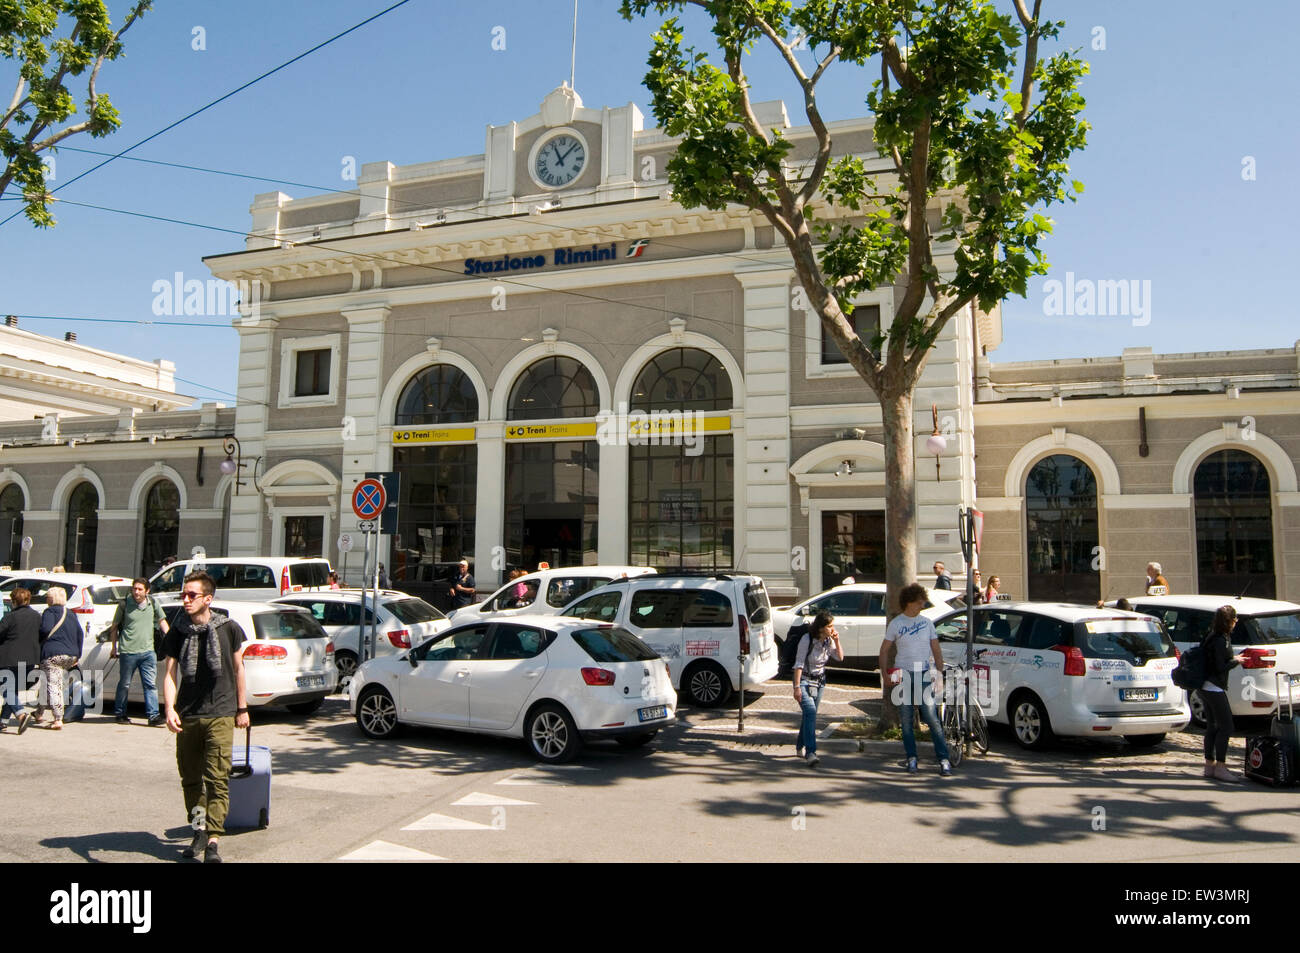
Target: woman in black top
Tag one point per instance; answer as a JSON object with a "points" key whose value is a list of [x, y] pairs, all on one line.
{"points": [[1219, 660], [20, 653]]}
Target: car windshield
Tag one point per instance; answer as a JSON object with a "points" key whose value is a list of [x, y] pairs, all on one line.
{"points": [[1136, 641], [613, 644], [287, 625], [309, 575], [757, 605], [1273, 629], [412, 610]]}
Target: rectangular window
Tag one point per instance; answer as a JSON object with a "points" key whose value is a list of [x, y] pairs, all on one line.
{"points": [[304, 536], [866, 322], [313, 373]]}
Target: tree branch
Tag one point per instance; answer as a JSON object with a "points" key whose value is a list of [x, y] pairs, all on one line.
{"points": [[1031, 58]]}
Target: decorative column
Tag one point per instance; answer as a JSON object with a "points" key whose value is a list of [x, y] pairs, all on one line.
{"points": [[256, 353], [360, 421]]}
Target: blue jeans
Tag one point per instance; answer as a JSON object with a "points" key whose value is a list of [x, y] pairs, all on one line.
{"points": [[810, 696], [11, 688], [916, 687], [147, 664]]}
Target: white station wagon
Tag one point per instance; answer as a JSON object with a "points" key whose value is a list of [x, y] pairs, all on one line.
{"points": [[1050, 669]]}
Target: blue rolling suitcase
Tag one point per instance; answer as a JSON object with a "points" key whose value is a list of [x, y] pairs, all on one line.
{"points": [[250, 785]]}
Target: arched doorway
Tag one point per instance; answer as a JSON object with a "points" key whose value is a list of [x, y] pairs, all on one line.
{"points": [[82, 530], [162, 526], [439, 484], [1234, 525], [1062, 531], [11, 525], [681, 487], [552, 485]]}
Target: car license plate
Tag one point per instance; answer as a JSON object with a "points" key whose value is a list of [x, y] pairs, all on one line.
{"points": [[1138, 694], [653, 714], [311, 681]]}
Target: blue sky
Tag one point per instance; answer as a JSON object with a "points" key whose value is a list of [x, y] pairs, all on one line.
{"points": [[1182, 98]]}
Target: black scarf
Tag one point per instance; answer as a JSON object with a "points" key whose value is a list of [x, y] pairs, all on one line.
{"points": [[207, 632]]}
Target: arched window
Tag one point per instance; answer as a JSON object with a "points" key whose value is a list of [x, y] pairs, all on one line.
{"points": [[11, 525], [1061, 509], [684, 378], [441, 394], [82, 531], [553, 387], [162, 525], [1234, 525], [681, 483]]}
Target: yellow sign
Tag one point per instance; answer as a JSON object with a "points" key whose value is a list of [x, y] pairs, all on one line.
{"points": [[545, 431], [416, 435], [664, 423]]}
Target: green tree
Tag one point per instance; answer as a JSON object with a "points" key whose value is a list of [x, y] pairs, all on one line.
{"points": [[977, 127], [41, 104]]}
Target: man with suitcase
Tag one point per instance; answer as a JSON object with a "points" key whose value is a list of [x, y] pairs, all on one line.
{"points": [[206, 696]]}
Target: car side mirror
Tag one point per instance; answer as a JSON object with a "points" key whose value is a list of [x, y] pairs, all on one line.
{"points": [[410, 657]]}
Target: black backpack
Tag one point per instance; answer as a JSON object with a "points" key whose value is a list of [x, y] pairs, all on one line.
{"points": [[1190, 673]]}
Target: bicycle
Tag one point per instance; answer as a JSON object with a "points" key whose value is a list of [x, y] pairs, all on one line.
{"points": [[953, 717]]}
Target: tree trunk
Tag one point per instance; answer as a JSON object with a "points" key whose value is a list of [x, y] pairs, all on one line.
{"points": [[900, 512]]}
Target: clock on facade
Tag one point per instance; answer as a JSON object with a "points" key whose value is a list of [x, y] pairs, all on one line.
{"points": [[559, 160]]}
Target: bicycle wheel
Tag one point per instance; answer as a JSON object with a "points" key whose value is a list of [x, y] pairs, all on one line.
{"points": [[979, 729], [952, 734]]}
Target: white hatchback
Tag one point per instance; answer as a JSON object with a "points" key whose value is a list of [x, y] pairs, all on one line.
{"points": [[1050, 669], [553, 681], [859, 611], [1267, 633], [288, 658], [401, 621], [92, 597]]}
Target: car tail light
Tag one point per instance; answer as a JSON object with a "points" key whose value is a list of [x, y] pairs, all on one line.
{"points": [[264, 650], [284, 580], [744, 635], [1074, 661], [400, 638], [329, 648], [598, 676], [1260, 658], [87, 606]]}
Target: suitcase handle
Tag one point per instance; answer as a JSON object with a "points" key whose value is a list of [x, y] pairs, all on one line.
{"points": [[1277, 685], [246, 769]]}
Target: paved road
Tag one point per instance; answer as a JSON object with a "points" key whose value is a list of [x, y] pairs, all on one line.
{"points": [[98, 791]]}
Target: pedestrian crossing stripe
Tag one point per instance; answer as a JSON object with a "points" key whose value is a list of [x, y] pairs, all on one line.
{"points": [[383, 850], [444, 822], [489, 800]]}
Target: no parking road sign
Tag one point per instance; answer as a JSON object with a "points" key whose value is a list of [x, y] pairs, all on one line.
{"points": [[368, 499]]}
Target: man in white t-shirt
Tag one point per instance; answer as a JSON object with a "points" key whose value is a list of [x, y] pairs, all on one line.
{"points": [[913, 664]]}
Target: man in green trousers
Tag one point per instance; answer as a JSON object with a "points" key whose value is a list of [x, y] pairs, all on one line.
{"points": [[206, 698]]}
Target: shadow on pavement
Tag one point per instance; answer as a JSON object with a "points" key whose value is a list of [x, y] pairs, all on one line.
{"points": [[141, 843]]}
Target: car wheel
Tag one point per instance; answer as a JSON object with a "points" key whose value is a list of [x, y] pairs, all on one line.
{"points": [[306, 708], [376, 713], [551, 734], [1197, 704], [346, 663], [707, 685], [636, 741], [1030, 723], [1144, 741]]}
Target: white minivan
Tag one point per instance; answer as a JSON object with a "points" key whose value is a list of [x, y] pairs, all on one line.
{"points": [[1049, 669], [699, 624], [246, 578], [544, 592]]}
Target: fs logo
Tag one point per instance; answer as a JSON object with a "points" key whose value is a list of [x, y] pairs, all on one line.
{"points": [[635, 249]]}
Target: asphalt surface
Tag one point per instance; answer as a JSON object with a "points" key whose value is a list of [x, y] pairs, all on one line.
{"points": [[99, 791]]}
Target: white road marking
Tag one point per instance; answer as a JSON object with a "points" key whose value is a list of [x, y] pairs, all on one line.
{"points": [[489, 800], [383, 850], [444, 822]]}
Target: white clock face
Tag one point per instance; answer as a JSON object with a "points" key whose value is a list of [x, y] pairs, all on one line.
{"points": [[559, 161]]}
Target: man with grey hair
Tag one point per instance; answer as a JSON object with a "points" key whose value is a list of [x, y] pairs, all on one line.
{"points": [[1155, 577]]}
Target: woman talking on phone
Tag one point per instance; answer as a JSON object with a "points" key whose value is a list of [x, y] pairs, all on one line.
{"points": [[820, 644]]}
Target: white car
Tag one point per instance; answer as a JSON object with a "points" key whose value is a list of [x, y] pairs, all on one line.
{"points": [[553, 681], [544, 592], [1267, 632], [288, 658], [859, 611], [401, 622], [1050, 669], [245, 578], [92, 597], [701, 625]]}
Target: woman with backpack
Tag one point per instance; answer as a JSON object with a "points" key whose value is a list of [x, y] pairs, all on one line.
{"points": [[819, 645], [1219, 660]]}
